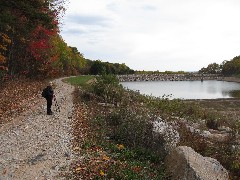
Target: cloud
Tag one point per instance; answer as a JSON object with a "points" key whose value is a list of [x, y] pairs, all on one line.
{"points": [[89, 20], [156, 34], [73, 31], [86, 25], [149, 8]]}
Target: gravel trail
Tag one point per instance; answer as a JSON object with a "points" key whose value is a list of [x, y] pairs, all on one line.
{"points": [[38, 146]]}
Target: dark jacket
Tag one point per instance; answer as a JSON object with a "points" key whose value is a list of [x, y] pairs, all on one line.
{"points": [[49, 92]]}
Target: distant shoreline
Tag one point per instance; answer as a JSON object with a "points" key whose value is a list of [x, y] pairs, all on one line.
{"points": [[231, 79], [169, 77], [175, 77]]}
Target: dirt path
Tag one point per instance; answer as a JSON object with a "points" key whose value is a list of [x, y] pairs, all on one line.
{"points": [[38, 146]]}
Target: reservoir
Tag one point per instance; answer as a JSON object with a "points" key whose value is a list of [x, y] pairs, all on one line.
{"points": [[210, 89]]}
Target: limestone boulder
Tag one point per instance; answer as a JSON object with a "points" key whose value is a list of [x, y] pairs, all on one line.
{"points": [[186, 164], [165, 131]]}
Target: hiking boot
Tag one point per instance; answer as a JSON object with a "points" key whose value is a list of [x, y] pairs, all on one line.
{"points": [[50, 113]]}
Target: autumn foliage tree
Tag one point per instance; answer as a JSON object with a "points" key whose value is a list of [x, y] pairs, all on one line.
{"points": [[27, 28], [31, 46]]}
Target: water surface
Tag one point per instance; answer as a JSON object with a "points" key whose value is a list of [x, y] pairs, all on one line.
{"points": [[211, 89]]}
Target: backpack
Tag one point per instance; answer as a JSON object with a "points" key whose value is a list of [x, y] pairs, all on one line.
{"points": [[44, 93]]}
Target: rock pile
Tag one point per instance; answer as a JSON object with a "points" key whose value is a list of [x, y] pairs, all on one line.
{"points": [[168, 77]]}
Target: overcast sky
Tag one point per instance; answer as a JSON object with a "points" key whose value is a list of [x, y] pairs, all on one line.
{"points": [[154, 34]]}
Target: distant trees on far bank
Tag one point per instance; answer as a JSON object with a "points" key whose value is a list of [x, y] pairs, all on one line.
{"points": [[159, 72], [99, 67], [30, 43], [212, 68], [226, 68]]}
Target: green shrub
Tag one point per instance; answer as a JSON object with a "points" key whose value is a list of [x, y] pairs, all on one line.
{"points": [[108, 87], [235, 93], [212, 123], [131, 126]]}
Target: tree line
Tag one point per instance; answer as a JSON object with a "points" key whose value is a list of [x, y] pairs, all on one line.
{"points": [[226, 68], [31, 45]]}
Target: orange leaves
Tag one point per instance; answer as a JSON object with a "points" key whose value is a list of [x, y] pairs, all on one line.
{"points": [[5, 38], [137, 169], [2, 59], [101, 173], [120, 146], [105, 158], [54, 58], [3, 47], [30, 28], [5, 41], [80, 169], [76, 148]]}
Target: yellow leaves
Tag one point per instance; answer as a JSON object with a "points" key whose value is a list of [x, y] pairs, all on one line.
{"points": [[23, 39], [102, 173], [3, 47], [6, 38], [79, 169], [76, 148], [120, 146], [105, 158]]}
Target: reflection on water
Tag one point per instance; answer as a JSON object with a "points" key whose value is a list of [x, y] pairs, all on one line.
{"points": [[185, 89]]}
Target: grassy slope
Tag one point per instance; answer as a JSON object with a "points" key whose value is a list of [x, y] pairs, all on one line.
{"points": [[80, 80], [101, 157], [188, 110]]}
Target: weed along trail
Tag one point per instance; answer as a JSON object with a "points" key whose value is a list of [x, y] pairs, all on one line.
{"points": [[39, 146]]}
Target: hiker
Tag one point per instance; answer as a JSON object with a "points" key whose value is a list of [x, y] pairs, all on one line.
{"points": [[49, 97]]}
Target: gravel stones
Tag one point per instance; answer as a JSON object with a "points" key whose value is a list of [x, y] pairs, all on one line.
{"points": [[40, 146]]}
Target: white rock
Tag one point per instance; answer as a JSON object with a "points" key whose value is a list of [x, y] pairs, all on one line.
{"points": [[164, 130], [183, 163], [206, 134]]}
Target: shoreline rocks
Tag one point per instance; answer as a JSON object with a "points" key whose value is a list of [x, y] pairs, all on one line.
{"points": [[184, 163], [169, 77]]}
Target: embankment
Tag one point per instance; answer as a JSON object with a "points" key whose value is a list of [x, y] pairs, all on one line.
{"points": [[231, 79], [169, 77]]}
